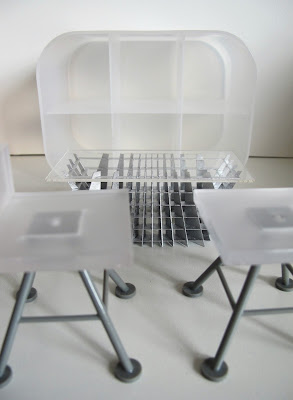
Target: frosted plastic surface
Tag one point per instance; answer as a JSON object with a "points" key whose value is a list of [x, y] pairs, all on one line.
{"points": [[175, 90], [64, 230], [249, 226], [6, 180]]}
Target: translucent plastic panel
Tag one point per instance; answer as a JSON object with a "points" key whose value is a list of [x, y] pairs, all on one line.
{"points": [[59, 128], [89, 76], [169, 90], [91, 130], [6, 180], [249, 226], [203, 73], [148, 70], [201, 132], [73, 67], [65, 231], [148, 132]]}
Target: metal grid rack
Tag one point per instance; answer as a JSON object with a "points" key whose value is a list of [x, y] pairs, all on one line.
{"points": [[165, 214], [160, 187]]}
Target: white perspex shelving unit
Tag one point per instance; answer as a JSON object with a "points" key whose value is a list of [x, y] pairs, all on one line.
{"points": [[173, 109]]}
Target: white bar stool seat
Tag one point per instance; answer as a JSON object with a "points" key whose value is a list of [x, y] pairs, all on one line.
{"points": [[63, 231], [249, 227]]}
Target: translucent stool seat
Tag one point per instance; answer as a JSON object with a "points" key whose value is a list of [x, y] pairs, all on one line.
{"points": [[63, 231], [248, 227]]}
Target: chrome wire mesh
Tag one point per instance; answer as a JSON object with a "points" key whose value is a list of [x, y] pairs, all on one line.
{"points": [[162, 213]]}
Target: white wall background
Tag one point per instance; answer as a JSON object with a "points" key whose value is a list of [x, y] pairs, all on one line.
{"points": [[265, 26]]}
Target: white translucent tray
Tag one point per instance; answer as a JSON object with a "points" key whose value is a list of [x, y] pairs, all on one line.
{"points": [[249, 226], [146, 166], [156, 90]]}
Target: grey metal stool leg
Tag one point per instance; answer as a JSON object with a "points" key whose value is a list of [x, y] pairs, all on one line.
{"points": [[127, 370], [106, 287], [284, 283], [26, 285], [194, 288], [123, 290], [215, 368], [33, 294]]}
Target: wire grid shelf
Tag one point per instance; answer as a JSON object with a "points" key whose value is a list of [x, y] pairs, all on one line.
{"points": [[165, 214], [144, 166], [160, 186]]}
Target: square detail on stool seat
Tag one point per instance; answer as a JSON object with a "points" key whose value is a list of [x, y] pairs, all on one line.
{"points": [[272, 217], [55, 223]]}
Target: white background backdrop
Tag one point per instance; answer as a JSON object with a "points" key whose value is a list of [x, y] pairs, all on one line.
{"points": [[265, 26]]}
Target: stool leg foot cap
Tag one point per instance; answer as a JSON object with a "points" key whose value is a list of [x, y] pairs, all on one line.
{"points": [[285, 288], [33, 294], [126, 295], [6, 377], [126, 376], [208, 371], [189, 291]]}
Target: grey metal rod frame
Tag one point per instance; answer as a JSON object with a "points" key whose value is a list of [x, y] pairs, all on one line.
{"points": [[127, 369], [215, 368]]}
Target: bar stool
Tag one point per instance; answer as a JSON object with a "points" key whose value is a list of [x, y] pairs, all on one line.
{"points": [[63, 231], [248, 227]]}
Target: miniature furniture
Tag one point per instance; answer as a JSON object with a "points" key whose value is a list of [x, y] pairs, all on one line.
{"points": [[63, 231], [157, 112], [249, 227]]}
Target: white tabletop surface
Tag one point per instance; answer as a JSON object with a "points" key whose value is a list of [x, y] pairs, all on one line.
{"points": [[167, 332]]}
